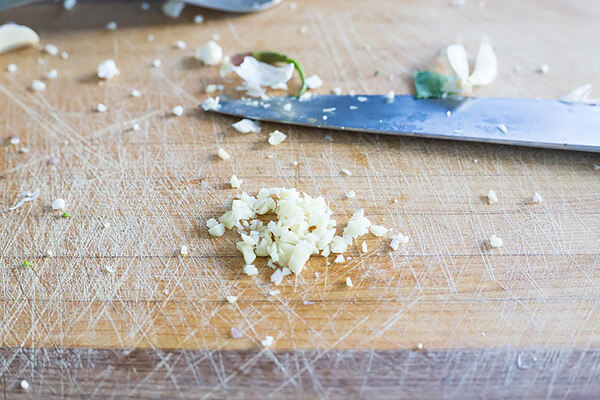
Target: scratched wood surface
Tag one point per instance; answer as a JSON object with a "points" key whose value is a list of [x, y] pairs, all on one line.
{"points": [[156, 187]]}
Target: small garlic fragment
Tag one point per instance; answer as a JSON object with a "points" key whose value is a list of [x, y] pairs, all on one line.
{"points": [[223, 155], [276, 137], [267, 341], [210, 54], [496, 242], [491, 197], [246, 125], [314, 82], [184, 251], [172, 9], [107, 69], [177, 111], [58, 204], [349, 282], [250, 270], [52, 74], [235, 182], [38, 85], [231, 299], [51, 49], [111, 26], [537, 198]]}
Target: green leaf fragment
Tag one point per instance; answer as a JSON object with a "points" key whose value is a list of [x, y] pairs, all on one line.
{"points": [[272, 57], [65, 215], [430, 85], [27, 263]]}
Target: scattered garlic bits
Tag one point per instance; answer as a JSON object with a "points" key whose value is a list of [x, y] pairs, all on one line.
{"points": [[58, 204], [223, 155], [246, 126], [211, 104], [491, 197], [496, 242], [276, 137], [537, 198], [303, 226], [235, 182], [107, 69], [231, 299], [349, 282], [267, 341], [38, 86], [172, 9], [111, 26], [177, 111], [397, 240], [210, 54], [314, 82], [184, 251]]}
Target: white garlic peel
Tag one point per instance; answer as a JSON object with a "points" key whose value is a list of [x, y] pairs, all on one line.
{"points": [[484, 72], [303, 226], [13, 36]]}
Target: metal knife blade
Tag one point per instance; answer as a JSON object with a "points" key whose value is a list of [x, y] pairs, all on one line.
{"points": [[528, 122]]}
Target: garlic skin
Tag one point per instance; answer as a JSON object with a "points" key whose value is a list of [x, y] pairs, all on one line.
{"points": [[484, 72]]}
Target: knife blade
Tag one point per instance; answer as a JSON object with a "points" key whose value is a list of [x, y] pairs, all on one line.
{"points": [[522, 122]]}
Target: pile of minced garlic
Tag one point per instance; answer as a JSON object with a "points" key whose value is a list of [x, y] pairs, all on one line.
{"points": [[302, 227]]}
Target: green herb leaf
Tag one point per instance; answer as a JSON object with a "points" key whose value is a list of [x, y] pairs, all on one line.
{"points": [[65, 215], [27, 263], [430, 85], [272, 57]]}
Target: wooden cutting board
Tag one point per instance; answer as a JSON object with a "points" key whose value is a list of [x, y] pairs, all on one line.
{"points": [[114, 312]]}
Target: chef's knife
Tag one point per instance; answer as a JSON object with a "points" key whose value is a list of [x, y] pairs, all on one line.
{"points": [[522, 122]]}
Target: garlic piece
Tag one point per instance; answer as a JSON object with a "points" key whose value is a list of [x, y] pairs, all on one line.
{"points": [[172, 9], [107, 69], [314, 82], [58, 204], [250, 270], [276, 137], [210, 54], [491, 197], [177, 111], [223, 155], [235, 182], [13, 36], [246, 125], [378, 230], [38, 85], [496, 242]]}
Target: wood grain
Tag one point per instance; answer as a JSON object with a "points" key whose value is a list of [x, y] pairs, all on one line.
{"points": [[302, 374], [136, 196]]}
